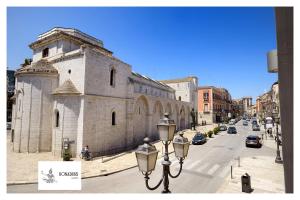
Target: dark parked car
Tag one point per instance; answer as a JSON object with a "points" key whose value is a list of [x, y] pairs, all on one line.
{"points": [[231, 130], [255, 127], [223, 127], [245, 123], [253, 140], [254, 122], [199, 138]]}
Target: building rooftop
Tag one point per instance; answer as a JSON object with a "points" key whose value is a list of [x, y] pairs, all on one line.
{"points": [[151, 80], [66, 88], [179, 80], [40, 67], [70, 33]]}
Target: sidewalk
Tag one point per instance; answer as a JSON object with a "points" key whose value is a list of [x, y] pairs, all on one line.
{"points": [[22, 167], [266, 175]]}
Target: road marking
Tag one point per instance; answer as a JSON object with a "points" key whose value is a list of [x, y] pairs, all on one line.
{"points": [[213, 169], [193, 164], [202, 167]]}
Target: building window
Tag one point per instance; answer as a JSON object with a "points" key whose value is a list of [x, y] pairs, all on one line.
{"points": [[179, 98], [113, 118], [205, 96], [45, 52], [56, 118], [205, 107], [112, 77]]}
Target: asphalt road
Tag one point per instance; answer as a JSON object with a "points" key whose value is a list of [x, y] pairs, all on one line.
{"points": [[204, 170]]}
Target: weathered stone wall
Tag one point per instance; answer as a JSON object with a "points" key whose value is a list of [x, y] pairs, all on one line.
{"points": [[68, 108], [33, 113]]}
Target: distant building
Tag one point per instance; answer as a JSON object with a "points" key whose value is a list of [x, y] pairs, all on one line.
{"points": [[247, 103], [214, 104], [10, 83], [185, 89], [268, 103], [237, 107]]}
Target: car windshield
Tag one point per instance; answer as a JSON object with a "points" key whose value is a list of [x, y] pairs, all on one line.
{"points": [[232, 128], [199, 137], [251, 137]]}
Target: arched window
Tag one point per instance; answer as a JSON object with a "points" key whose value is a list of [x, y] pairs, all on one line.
{"points": [[113, 118], [45, 52], [179, 98], [112, 77], [56, 118]]}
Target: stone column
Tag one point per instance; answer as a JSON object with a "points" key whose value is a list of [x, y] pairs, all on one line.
{"points": [[284, 30]]}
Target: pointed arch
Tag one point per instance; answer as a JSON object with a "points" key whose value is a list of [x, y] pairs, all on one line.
{"points": [[140, 119]]}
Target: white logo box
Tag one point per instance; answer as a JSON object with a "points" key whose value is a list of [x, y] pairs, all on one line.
{"points": [[59, 175]]}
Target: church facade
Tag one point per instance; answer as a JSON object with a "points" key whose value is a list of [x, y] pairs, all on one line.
{"points": [[76, 90]]}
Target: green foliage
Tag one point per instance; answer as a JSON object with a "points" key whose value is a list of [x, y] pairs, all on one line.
{"points": [[27, 61], [216, 130], [210, 133]]}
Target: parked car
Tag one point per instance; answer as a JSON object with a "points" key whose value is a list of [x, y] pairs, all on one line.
{"points": [[232, 122], [223, 127], [255, 127], [199, 138], [254, 122], [253, 140], [231, 130], [245, 123]]}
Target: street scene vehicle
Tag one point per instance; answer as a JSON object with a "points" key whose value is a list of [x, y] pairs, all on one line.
{"points": [[232, 122], [199, 138], [223, 127], [269, 123], [254, 121], [253, 140], [255, 127], [245, 123], [231, 130]]}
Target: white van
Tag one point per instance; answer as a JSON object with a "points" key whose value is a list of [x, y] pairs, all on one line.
{"points": [[269, 123]]}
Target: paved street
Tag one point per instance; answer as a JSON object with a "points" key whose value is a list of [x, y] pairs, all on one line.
{"points": [[204, 171]]}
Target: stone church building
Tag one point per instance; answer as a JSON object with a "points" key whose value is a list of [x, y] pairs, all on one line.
{"points": [[76, 90]]}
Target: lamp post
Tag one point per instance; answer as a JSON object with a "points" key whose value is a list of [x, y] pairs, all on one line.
{"points": [[277, 119], [146, 154]]}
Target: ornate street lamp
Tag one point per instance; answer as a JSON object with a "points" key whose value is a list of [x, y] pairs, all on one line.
{"points": [[277, 120], [146, 154]]}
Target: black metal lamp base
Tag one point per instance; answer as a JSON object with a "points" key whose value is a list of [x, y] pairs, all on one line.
{"points": [[278, 160]]}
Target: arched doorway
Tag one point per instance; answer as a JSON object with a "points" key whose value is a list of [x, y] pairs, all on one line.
{"points": [[169, 110], [157, 115], [140, 120]]}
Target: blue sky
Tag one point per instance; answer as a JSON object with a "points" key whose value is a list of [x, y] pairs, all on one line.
{"points": [[222, 46]]}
